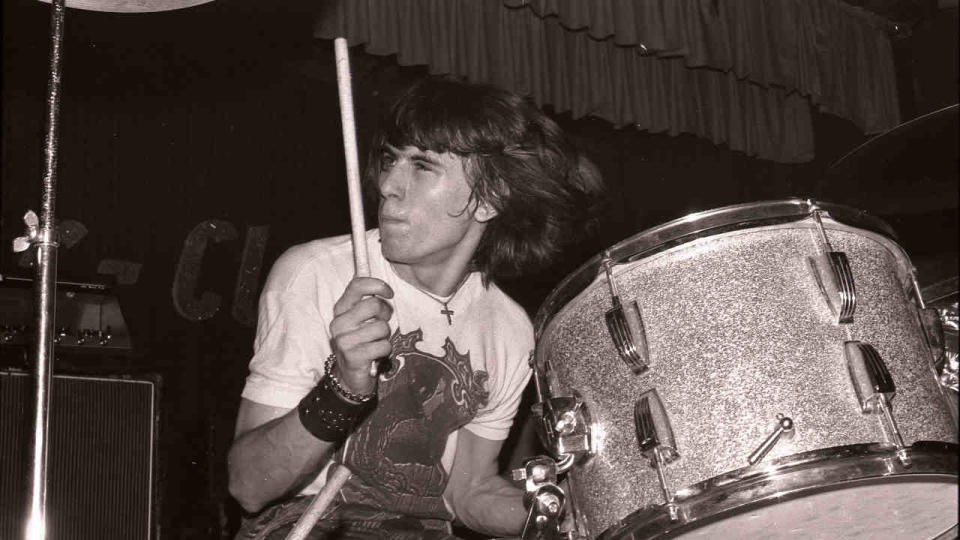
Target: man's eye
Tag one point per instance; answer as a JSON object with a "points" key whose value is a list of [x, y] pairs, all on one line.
{"points": [[386, 161]]}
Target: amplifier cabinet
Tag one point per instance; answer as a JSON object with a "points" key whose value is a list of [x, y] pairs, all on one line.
{"points": [[101, 456]]}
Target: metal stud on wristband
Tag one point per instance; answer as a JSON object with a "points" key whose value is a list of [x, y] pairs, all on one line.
{"points": [[335, 382], [329, 417]]}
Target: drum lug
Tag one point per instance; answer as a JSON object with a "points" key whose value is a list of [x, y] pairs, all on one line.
{"points": [[654, 431], [871, 378], [626, 326], [657, 442], [875, 390], [564, 428], [831, 270]]}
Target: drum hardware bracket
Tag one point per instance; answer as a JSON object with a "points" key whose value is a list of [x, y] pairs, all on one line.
{"points": [[933, 321], [784, 427], [657, 442], [831, 270], [564, 428], [949, 376], [626, 325], [545, 500], [875, 391]]}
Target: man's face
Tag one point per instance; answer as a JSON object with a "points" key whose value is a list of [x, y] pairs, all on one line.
{"points": [[424, 214]]}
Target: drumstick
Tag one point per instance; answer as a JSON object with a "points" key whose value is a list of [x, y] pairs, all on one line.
{"points": [[335, 480], [339, 474], [357, 228]]}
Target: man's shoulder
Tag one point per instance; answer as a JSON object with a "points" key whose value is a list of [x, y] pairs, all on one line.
{"points": [[508, 313], [325, 256]]}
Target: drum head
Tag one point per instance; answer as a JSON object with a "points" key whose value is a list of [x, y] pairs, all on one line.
{"points": [[855, 492], [892, 508]]}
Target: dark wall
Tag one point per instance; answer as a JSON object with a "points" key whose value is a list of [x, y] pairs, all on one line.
{"points": [[229, 112]]}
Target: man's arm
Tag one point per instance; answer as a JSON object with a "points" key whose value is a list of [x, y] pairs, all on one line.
{"points": [[272, 455], [481, 499]]}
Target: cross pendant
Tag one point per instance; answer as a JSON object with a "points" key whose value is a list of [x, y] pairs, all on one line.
{"points": [[448, 312]]}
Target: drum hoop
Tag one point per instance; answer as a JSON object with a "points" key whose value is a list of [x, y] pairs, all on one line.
{"points": [[700, 225], [787, 478]]}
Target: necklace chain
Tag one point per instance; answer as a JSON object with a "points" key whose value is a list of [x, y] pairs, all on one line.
{"points": [[445, 310]]}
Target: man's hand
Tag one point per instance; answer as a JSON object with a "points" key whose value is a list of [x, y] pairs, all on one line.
{"points": [[360, 333]]}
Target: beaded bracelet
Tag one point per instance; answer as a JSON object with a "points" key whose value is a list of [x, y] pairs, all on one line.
{"points": [[356, 398], [329, 417]]}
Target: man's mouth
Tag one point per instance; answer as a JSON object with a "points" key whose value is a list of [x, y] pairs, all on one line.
{"points": [[384, 217], [391, 221]]}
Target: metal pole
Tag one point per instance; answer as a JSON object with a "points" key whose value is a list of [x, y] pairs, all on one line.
{"points": [[45, 286]]}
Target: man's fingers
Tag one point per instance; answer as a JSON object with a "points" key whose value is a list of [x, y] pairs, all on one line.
{"points": [[359, 375], [357, 289], [359, 328], [374, 350], [362, 311], [365, 356], [353, 341], [372, 331]]}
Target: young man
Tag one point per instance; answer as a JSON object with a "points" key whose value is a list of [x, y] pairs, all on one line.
{"points": [[474, 184]]}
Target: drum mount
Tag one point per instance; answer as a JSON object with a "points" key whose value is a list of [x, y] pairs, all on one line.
{"points": [[563, 426], [544, 498]]}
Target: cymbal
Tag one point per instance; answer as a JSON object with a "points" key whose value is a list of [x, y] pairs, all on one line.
{"points": [[131, 6], [909, 169]]}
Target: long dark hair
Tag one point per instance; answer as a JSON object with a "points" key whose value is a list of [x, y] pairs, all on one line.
{"points": [[520, 162]]}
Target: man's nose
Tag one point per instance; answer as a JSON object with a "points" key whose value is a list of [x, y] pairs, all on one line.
{"points": [[393, 182]]}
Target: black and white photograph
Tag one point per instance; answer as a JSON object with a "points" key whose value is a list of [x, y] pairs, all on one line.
{"points": [[479, 270]]}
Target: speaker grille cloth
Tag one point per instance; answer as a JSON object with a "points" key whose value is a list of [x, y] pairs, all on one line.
{"points": [[99, 456]]}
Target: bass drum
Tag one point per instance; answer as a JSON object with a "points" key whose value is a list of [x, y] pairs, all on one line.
{"points": [[778, 397]]}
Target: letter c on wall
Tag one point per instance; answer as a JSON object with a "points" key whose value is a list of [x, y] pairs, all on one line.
{"points": [[188, 270]]}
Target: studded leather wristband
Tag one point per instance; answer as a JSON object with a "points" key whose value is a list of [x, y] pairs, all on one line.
{"points": [[329, 417]]}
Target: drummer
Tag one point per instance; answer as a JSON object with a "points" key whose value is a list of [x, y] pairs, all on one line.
{"points": [[475, 184]]}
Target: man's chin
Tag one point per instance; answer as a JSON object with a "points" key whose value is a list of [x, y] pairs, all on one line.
{"points": [[394, 251]]}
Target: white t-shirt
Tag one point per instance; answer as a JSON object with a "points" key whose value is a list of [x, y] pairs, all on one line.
{"points": [[468, 371]]}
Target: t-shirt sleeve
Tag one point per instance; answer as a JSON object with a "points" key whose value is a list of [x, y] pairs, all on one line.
{"points": [[292, 339], [506, 388]]}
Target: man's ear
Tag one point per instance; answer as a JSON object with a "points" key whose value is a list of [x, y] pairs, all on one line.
{"points": [[484, 212]]}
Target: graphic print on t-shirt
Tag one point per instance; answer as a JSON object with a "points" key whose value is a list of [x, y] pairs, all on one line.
{"points": [[395, 453]]}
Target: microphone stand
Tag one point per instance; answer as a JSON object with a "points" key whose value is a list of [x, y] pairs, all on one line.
{"points": [[41, 234]]}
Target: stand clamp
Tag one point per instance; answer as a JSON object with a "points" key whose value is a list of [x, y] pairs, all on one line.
{"points": [[34, 235], [545, 500]]}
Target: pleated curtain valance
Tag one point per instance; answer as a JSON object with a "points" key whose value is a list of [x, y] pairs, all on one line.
{"points": [[744, 73]]}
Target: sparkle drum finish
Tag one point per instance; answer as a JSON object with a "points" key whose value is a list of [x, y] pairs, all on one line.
{"points": [[738, 332]]}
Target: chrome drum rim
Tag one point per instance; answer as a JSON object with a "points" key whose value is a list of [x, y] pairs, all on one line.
{"points": [[784, 479]]}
